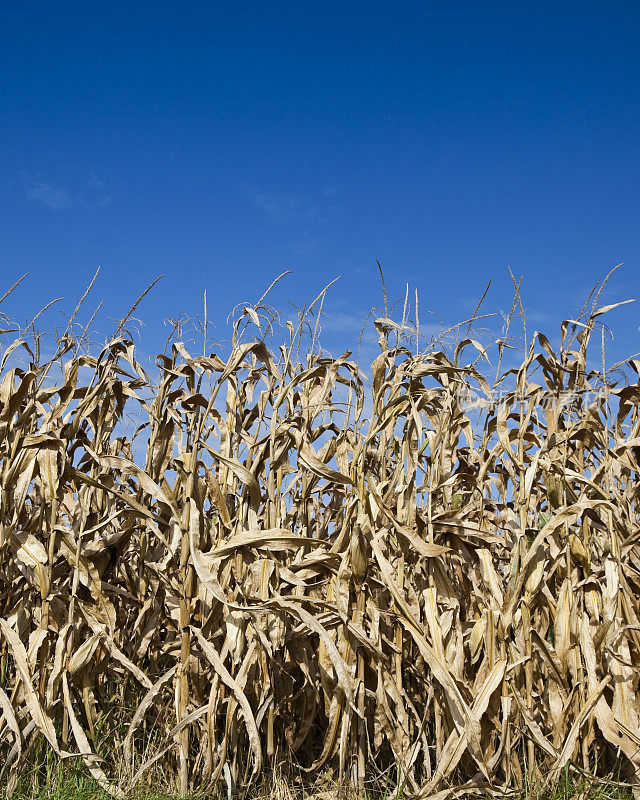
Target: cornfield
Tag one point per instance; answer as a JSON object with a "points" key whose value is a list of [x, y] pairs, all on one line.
{"points": [[250, 562]]}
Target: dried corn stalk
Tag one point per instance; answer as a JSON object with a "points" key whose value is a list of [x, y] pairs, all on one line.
{"points": [[264, 578]]}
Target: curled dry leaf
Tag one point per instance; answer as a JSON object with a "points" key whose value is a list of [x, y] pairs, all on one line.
{"points": [[258, 576]]}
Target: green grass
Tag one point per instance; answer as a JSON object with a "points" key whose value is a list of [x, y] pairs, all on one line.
{"points": [[69, 781]]}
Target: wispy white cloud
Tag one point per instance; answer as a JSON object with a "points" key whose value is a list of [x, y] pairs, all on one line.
{"points": [[88, 193], [49, 195], [342, 322], [540, 317], [100, 203], [305, 217], [351, 323], [280, 208]]}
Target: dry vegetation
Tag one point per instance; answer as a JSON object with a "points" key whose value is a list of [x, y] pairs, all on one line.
{"points": [[250, 563]]}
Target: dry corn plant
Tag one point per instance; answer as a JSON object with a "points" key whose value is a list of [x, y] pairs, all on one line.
{"points": [[259, 580]]}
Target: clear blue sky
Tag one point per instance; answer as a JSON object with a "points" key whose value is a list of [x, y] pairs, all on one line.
{"points": [[220, 143]]}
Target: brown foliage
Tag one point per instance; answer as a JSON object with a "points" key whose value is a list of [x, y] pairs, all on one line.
{"points": [[266, 579]]}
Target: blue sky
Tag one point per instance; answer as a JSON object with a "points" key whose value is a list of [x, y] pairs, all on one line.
{"points": [[222, 143]]}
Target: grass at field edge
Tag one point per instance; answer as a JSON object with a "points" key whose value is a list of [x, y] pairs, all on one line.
{"points": [[70, 782]]}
